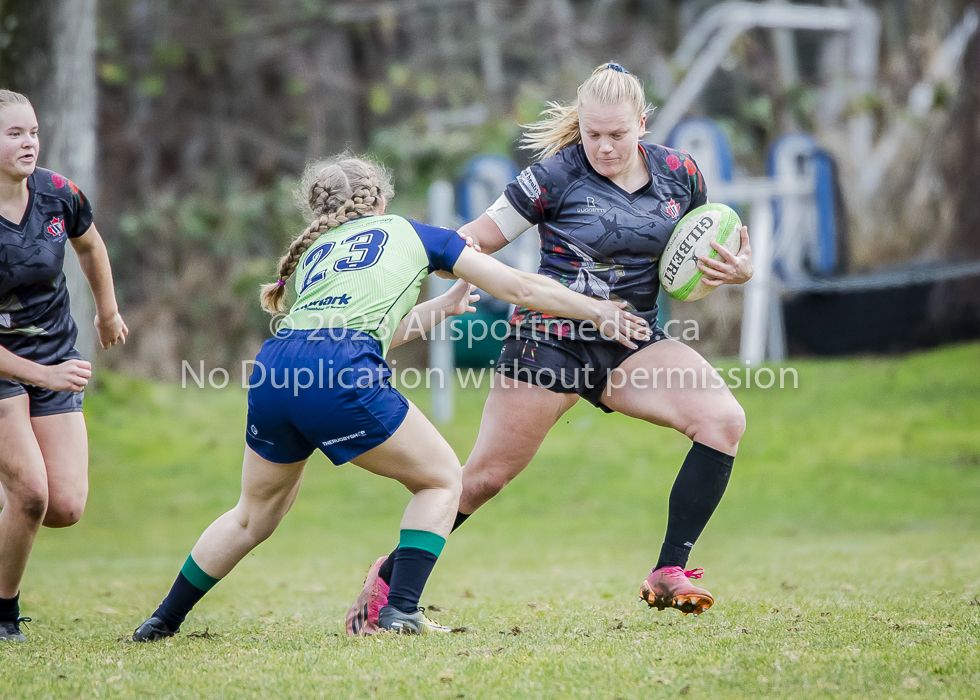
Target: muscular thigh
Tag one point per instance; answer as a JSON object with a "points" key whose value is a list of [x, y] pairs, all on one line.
{"points": [[63, 441], [516, 418], [416, 455], [268, 488], [21, 461], [669, 384]]}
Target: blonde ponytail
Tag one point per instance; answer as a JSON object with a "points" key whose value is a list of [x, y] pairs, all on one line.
{"points": [[609, 84], [336, 191]]}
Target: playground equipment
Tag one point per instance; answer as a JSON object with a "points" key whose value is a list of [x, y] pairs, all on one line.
{"points": [[700, 53]]}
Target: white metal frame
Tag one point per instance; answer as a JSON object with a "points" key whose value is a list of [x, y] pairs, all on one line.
{"points": [[700, 53]]}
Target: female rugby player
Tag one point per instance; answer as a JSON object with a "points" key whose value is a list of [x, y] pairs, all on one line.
{"points": [[357, 275], [605, 204], [43, 442]]}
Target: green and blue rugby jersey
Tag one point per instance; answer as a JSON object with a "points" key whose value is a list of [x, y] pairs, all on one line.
{"points": [[365, 275]]}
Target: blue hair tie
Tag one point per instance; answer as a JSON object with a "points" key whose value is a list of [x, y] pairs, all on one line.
{"points": [[616, 67]]}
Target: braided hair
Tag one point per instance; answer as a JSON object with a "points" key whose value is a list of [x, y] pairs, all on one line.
{"points": [[342, 189]]}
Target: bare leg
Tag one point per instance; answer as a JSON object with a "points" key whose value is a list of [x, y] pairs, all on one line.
{"points": [[25, 485], [268, 492], [64, 444], [516, 418], [421, 459], [706, 412], [416, 455]]}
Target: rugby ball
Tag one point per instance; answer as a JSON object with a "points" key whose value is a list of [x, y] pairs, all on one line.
{"points": [[679, 273]]}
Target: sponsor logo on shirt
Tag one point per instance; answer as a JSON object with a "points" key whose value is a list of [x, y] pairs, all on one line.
{"points": [[56, 227], [328, 443], [671, 209], [342, 300], [530, 186], [592, 207]]}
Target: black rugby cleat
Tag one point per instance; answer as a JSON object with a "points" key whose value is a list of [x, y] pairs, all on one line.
{"points": [[393, 619], [10, 630], [153, 630]]}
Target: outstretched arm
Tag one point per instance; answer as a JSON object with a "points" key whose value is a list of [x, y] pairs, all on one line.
{"points": [[484, 233], [547, 296], [94, 259], [429, 314]]}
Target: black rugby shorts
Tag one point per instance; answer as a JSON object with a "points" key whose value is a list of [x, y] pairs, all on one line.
{"points": [[45, 402], [567, 366]]}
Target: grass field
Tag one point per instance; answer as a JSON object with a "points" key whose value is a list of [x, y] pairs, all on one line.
{"points": [[845, 558]]}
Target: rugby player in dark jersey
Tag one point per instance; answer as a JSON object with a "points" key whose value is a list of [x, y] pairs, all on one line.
{"points": [[605, 204], [43, 442]]}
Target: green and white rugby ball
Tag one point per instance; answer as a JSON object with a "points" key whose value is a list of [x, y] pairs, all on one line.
{"points": [[679, 273]]}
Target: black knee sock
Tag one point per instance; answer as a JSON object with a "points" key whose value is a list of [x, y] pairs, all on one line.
{"points": [[417, 553], [10, 609], [698, 489], [384, 573], [191, 585], [460, 519]]}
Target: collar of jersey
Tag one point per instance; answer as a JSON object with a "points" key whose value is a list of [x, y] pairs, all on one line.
{"points": [[19, 228], [631, 196]]}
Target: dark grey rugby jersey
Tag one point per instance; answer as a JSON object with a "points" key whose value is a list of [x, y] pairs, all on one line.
{"points": [[598, 239], [34, 315]]}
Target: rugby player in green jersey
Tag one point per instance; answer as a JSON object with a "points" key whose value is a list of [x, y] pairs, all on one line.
{"points": [[322, 382]]}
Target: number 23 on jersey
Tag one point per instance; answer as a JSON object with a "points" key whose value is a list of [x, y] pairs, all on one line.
{"points": [[362, 251]]}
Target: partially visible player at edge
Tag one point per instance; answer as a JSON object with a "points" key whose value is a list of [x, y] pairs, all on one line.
{"points": [[605, 204], [358, 274], [43, 441]]}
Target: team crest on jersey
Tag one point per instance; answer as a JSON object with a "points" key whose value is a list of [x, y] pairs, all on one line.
{"points": [[56, 227], [671, 209]]}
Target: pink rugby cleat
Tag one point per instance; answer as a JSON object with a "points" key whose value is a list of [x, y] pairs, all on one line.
{"points": [[670, 587], [362, 618]]}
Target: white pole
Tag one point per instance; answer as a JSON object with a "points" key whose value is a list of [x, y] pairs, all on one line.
{"points": [[442, 355], [68, 136], [758, 290], [776, 335]]}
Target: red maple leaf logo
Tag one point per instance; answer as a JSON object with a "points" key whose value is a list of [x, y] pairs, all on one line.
{"points": [[56, 227]]}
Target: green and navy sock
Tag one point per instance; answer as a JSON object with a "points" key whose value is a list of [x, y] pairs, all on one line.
{"points": [[191, 585], [384, 573], [417, 553]]}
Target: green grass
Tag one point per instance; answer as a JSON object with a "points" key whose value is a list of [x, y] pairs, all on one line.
{"points": [[845, 558]]}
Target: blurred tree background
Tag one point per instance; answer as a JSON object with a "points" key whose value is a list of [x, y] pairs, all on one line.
{"points": [[208, 112]]}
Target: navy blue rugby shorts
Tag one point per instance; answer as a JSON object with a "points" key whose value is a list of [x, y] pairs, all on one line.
{"points": [[45, 402], [567, 366], [326, 389]]}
